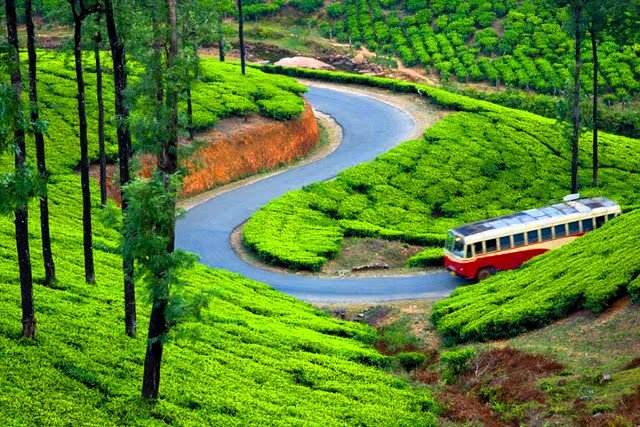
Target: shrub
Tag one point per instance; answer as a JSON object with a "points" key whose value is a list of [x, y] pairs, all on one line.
{"points": [[430, 257], [455, 362], [307, 6], [335, 10], [396, 337], [410, 360]]}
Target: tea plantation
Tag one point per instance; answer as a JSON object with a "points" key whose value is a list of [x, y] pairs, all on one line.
{"points": [[587, 274], [483, 161], [504, 42], [220, 92], [256, 356]]}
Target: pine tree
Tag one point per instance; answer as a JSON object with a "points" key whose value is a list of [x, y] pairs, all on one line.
{"points": [[243, 64], [576, 27], [150, 228]]}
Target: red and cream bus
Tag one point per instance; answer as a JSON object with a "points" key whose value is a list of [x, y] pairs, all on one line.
{"points": [[478, 250]]}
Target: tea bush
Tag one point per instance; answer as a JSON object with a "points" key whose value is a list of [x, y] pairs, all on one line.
{"points": [[589, 273], [484, 161], [256, 357], [430, 257], [455, 362], [411, 360]]}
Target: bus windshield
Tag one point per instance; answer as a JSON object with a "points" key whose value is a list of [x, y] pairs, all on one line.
{"points": [[455, 244]]}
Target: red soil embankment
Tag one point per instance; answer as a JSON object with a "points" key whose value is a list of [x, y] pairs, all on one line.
{"points": [[235, 148]]}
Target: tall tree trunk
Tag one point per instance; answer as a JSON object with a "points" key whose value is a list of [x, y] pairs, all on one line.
{"points": [[103, 156], [21, 212], [47, 255], [594, 50], [168, 165], [243, 64], [221, 52], [89, 272], [189, 114], [577, 16], [153, 357], [124, 150]]}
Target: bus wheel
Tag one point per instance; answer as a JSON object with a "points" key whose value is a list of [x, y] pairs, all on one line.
{"points": [[485, 273]]}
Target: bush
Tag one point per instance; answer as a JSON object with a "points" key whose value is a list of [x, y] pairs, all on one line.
{"points": [[430, 257], [411, 360], [397, 337], [455, 362], [307, 6], [335, 10]]}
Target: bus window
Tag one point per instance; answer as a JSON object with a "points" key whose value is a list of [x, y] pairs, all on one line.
{"points": [[468, 251], [492, 245], [532, 236], [478, 248], [610, 216], [587, 225], [518, 239], [546, 234], [574, 227], [505, 243], [600, 221], [561, 230]]}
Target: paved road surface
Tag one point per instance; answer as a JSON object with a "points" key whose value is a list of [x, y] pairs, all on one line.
{"points": [[370, 127]]}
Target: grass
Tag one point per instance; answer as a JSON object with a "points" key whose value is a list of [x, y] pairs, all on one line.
{"points": [[256, 357], [301, 39]]}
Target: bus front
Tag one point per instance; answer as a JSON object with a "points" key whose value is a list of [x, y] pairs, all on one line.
{"points": [[454, 255]]}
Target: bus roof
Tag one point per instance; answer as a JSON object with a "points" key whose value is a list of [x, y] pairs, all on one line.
{"points": [[540, 217]]}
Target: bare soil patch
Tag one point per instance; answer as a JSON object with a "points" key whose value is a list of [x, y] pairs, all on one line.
{"points": [[464, 407], [511, 374], [358, 253]]}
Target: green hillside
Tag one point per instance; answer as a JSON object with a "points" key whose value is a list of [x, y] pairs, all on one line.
{"points": [[589, 273], [502, 42], [220, 92], [480, 162], [256, 357]]}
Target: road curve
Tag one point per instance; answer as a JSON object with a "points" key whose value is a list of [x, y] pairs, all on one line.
{"points": [[370, 127]]}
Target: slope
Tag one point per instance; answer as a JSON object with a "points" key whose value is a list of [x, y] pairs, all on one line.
{"points": [[482, 161], [256, 356], [589, 273]]}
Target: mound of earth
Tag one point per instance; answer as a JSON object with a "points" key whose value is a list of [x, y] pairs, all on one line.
{"points": [[304, 62]]}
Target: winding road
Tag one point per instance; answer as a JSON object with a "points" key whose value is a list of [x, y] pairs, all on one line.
{"points": [[370, 127]]}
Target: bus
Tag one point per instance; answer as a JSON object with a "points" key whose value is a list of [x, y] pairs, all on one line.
{"points": [[480, 249]]}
